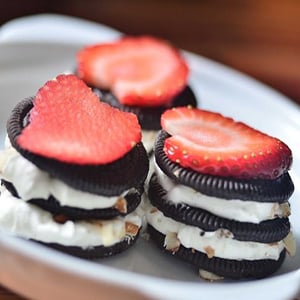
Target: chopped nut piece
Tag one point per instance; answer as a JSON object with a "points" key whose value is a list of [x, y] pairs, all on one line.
{"points": [[210, 251], [95, 222], [224, 233], [176, 172], [153, 210], [61, 219], [290, 244], [209, 276], [286, 209], [121, 205], [131, 229], [172, 243]]}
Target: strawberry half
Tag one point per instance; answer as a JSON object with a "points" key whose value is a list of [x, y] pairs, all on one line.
{"points": [[139, 71], [209, 143], [70, 124]]}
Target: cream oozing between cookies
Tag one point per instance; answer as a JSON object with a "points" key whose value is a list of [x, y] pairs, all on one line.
{"points": [[31, 182], [31, 222], [235, 209]]}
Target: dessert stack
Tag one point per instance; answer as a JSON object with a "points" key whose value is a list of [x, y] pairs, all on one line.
{"points": [[219, 195], [73, 171]]}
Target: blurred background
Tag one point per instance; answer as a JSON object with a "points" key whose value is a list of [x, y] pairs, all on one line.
{"points": [[260, 38]]}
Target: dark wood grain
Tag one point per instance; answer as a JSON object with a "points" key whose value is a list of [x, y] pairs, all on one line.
{"points": [[260, 38]]}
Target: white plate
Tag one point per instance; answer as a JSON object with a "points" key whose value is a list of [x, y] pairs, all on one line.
{"points": [[143, 271]]}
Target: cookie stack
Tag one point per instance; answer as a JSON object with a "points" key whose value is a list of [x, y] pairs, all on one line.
{"points": [[72, 171], [219, 195]]}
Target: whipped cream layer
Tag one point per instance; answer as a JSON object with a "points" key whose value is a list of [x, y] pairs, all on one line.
{"points": [[25, 220], [31, 183], [148, 139], [238, 210], [214, 244]]}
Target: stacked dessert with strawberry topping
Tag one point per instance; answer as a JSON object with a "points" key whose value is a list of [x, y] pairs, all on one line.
{"points": [[143, 75], [72, 171], [219, 195]]}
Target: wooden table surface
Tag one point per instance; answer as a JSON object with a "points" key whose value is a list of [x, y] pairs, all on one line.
{"points": [[260, 38]]}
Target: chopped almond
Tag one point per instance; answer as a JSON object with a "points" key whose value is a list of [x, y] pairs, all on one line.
{"points": [[131, 229], [224, 233], [210, 251], [121, 205], [286, 209], [153, 210]]}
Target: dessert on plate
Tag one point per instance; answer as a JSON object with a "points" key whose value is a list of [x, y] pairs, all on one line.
{"points": [[72, 171], [143, 75], [219, 195]]}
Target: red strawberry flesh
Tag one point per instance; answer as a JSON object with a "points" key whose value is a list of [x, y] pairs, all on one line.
{"points": [[140, 71], [210, 143], [70, 124]]}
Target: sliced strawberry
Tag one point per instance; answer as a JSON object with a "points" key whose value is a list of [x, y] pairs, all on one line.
{"points": [[209, 143], [70, 124], [140, 71]]}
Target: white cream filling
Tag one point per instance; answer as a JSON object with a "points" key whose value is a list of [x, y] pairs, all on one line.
{"points": [[239, 210], [30, 222], [214, 243], [148, 139], [31, 182]]}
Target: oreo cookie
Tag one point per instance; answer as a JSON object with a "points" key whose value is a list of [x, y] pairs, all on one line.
{"points": [[261, 190], [133, 166], [229, 268], [149, 117], [269, 231]]}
